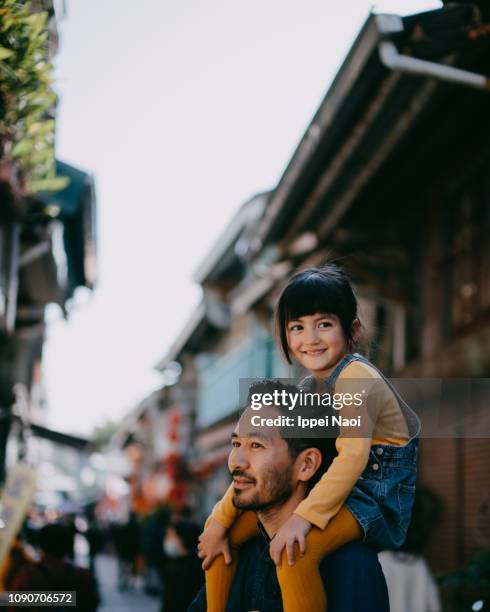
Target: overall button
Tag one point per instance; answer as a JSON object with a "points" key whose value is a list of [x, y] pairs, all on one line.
{"points": [[379, 451], [375, 467]]}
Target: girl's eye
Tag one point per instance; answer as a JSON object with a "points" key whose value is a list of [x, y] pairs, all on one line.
{"points": [[325, 324], [295, 327]]}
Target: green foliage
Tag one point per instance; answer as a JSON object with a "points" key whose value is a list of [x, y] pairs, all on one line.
{"points": [[27, 101], [469, 584]]}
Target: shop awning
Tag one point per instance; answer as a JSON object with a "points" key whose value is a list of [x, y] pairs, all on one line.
{"points": [[76, 442], [69, 199], [75, 206]]}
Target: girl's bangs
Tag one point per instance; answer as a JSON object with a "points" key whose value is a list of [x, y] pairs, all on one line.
{"points": [[310, 296]]}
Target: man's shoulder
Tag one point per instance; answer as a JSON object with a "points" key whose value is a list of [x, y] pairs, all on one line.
{"points": [[352, 557], [352, 551], [356, 564]]}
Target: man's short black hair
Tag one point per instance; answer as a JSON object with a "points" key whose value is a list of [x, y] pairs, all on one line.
{"points": [[296, 445]]}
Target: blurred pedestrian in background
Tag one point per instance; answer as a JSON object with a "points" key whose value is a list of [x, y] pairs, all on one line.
{"points": [[154, 527], [17, 560], [182, 573], [126, 539], [69, 523], [54, 572], [411, 586], [95, 537]]}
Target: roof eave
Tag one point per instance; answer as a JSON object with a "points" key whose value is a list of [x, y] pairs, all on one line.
{"points": [[365, 44]]}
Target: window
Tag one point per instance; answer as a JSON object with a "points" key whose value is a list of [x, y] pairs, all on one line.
{"points": [[466, 264]]}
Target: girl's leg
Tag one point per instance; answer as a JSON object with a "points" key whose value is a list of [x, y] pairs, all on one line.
{"points": [[220, 576], [301, 584]]}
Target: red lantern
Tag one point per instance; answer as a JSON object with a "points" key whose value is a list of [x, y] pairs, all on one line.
{"points": [[173, 434]]}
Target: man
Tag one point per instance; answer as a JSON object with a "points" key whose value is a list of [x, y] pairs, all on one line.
{"points": [[272, 473]]}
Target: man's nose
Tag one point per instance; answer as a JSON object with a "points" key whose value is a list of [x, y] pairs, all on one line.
{"points": [[238, 459]]}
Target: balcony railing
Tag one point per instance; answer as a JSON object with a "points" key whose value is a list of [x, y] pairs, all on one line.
{"points": [[218, 389]]}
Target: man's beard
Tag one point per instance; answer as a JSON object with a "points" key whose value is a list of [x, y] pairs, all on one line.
{"points": [[275, 490]]}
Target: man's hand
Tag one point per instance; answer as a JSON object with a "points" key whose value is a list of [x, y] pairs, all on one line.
{"points": [[294, 530], [213, 542]]}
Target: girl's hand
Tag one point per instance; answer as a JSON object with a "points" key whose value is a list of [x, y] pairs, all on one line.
{"points": [[294, 530], [213, 542]]}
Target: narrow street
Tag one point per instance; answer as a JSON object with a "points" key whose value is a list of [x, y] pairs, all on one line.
{"points": [[113, 600]]}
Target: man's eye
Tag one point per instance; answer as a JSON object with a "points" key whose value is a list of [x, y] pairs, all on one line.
{"points": [[235, 444], [256, 445]]}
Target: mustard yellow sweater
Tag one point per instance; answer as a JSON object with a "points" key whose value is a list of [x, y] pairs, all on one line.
{"points": [[386, 425]]}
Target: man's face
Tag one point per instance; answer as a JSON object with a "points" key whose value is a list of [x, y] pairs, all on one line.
{"points": [[260, 464]]}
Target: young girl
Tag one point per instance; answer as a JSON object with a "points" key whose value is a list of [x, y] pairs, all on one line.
{"points": [[367, 492]]}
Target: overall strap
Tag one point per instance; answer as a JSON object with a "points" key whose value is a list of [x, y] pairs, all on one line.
{"points": [[413, 422], [344, 362]]}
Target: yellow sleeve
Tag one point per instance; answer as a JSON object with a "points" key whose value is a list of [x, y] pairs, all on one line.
{"points": [[225, 511], [328, 495]]}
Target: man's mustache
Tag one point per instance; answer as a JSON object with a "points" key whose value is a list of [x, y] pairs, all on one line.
{"points": [[244, 475]]}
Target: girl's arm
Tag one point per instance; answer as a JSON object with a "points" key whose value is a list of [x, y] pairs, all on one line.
{"points": [[225, 511], [213, 541], [353, 446], [325, 499], [328, 495]]}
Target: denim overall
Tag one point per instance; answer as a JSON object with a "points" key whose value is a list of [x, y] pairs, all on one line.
{"points": [[382, 498]]}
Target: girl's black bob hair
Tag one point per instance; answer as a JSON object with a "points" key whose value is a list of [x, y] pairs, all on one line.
{"points": [[316, 290]]}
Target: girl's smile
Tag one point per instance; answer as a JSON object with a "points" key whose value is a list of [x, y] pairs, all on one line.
{"points": [[317, 342]]}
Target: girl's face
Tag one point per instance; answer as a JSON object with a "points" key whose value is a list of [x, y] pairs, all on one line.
{"points": [[317, 342]]}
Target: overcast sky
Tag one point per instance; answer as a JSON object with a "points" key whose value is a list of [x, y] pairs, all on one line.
{"points": [[181, 109]]}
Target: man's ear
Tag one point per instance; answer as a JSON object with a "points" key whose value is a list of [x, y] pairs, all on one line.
{"points": [[308, 462]]}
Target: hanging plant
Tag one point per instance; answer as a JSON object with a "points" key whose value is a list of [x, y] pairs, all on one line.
{"points": [[27, 100]]}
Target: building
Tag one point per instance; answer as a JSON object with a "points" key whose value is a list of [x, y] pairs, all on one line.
{"points": [[217, 348], [152, 441], [390, 180], [47, 219], [387, 182]]}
